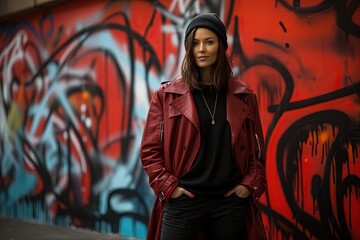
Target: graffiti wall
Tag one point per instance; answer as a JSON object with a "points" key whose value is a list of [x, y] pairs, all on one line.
{"points": [[76, 82]]}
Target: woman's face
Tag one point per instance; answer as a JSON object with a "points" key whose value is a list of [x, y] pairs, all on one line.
{"points": [[205, 47]]}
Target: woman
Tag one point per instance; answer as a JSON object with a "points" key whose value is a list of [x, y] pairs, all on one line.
{"points": [[202, 146]]}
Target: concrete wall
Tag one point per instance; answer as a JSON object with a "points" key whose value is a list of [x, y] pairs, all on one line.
{"points": [[11, 8]]}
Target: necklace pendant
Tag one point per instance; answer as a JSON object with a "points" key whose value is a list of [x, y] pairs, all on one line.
{"points": [[212, 114]]}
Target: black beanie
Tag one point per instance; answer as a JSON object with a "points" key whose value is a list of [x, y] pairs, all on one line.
{"points": [[210, 21]]}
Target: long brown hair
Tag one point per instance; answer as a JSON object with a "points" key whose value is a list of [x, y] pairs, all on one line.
{"points": [[190, 72]]}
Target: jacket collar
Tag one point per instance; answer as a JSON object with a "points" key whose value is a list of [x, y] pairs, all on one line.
{"points": [[177, 86], [236, 109]]}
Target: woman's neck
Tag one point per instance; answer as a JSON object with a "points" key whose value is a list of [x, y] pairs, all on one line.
{"points": [[206, 76]]}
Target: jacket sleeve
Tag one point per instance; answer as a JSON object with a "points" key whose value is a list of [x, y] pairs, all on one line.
{"points": [[152, 149], [255, 180]]}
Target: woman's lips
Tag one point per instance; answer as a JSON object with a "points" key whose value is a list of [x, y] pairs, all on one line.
{"points": [[202, 58]]}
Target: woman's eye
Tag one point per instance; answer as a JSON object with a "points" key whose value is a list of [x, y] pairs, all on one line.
{"points": [[209, 42]]}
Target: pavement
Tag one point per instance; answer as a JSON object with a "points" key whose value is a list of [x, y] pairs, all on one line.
{"points": [[17, 229]]}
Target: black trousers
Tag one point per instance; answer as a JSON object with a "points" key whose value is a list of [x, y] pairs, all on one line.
{"points": [[184, 218]]}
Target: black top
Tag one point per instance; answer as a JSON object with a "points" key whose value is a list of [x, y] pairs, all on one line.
{"points": [[214, 171]]}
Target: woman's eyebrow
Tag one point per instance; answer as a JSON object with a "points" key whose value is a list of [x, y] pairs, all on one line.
{"points": [[196, 39]]}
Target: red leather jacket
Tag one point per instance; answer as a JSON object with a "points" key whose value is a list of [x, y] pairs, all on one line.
{"points": [[171, 140]]}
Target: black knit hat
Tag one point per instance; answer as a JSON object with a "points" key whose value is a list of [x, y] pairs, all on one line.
{"points": [[210, 21]]}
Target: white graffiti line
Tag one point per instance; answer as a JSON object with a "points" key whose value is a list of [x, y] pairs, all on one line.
{"points": [[58, 89], [30, 62], [59, 122], [187, 9], [29, 160], [5, 55], [12, 53], [183, 5], [3, 121], [68, 52], [79, 73]]}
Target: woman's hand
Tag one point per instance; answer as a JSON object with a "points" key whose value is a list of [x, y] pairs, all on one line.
{"points": [[239, 190], [180, 191]]}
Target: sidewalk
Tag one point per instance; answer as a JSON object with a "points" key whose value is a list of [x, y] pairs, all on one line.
{"points": [[16, 229]]}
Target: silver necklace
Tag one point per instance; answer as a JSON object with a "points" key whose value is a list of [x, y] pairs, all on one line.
{"points": [[212, 114]]}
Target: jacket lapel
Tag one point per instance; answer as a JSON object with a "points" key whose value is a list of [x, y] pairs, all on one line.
{"points": [[236, 109], [184, 104]]}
